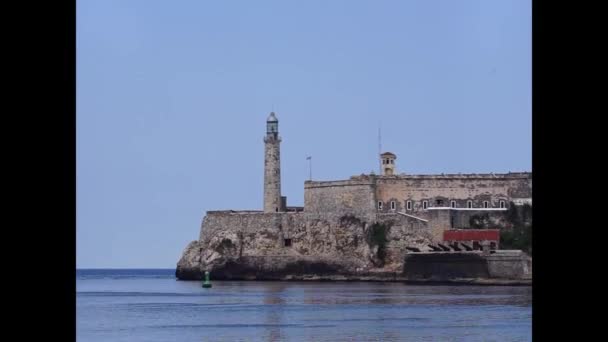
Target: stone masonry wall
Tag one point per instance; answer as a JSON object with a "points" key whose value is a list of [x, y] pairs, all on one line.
{"points": [[341, 197], [448, 266], [272, 174], [460, 188]]}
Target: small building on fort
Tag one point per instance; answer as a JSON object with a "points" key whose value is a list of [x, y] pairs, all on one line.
{"points": [[356, 228]]}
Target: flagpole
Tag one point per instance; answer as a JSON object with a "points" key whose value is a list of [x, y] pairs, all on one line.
{"points": [[309, 167]]}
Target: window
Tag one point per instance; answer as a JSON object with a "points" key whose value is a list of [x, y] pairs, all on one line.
{"points": [[469, 204], [439, 203], [485, 204], [424, 204], [393, 205], [379, 205], [502, 204], [409, 205], [453, 204], [287, 242], [476, 245]]}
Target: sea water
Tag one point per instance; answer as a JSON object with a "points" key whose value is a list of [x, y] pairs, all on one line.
{"points": [[151, 305]]}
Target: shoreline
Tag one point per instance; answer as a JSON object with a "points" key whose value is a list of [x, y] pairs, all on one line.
{"points": [[343, 279]]}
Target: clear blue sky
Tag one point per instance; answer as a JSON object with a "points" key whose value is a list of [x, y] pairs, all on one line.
{"points": [[172, 98]]}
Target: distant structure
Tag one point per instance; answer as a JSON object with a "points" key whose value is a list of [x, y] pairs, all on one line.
{"points": [[388, 163], [339, 222]]}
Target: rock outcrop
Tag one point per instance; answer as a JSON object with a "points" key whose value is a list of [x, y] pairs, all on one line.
{"points": [[274, 246]]}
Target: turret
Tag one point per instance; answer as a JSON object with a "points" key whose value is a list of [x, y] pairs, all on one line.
{"points": [[388, 163]]}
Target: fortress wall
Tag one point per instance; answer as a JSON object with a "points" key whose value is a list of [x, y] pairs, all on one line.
{"points": [[477, 188], [510, 264], [448, 266], [338, 198], [445, 266], [268, 230], [439, 221]]}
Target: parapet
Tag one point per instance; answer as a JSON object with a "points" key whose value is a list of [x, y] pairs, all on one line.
{"points": [[366, 179], [510, 175], [234, 212], [347, 182]]}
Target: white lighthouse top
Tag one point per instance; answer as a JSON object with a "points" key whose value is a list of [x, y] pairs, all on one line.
{"points": [[272, 118]]}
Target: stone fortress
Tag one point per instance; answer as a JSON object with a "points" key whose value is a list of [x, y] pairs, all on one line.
{"points": [[362, 228]]}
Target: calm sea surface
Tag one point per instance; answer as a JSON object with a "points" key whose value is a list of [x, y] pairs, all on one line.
{"points": [[150, 305]]}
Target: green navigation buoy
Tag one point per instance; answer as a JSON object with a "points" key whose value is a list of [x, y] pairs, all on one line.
{"points": [[206, 283]]}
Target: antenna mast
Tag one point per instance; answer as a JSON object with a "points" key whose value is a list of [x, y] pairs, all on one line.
{"points": [[379, 148]]}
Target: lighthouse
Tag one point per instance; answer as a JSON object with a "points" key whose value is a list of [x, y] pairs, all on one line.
{"points": [[272, 166]]}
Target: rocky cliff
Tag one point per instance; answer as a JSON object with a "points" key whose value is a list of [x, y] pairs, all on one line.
{"points": [[298, 245]]}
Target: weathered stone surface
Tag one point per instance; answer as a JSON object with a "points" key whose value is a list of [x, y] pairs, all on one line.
{"points": [[188, 266], [272, 173], [448, 266], [509, 264], [441, 190], [249, 245]]}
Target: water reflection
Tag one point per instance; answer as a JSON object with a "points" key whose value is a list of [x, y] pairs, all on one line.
{"points": [[274, 313], [387, 295]]}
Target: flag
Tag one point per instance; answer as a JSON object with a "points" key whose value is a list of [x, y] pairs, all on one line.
{"points": [[308, 158]]}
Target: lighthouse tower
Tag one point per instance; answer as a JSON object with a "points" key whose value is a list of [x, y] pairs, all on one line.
{"points": [[272, 166]]}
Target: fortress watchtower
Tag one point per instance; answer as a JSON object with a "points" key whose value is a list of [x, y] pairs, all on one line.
{"points": [[272, 166], [388, 163]]}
